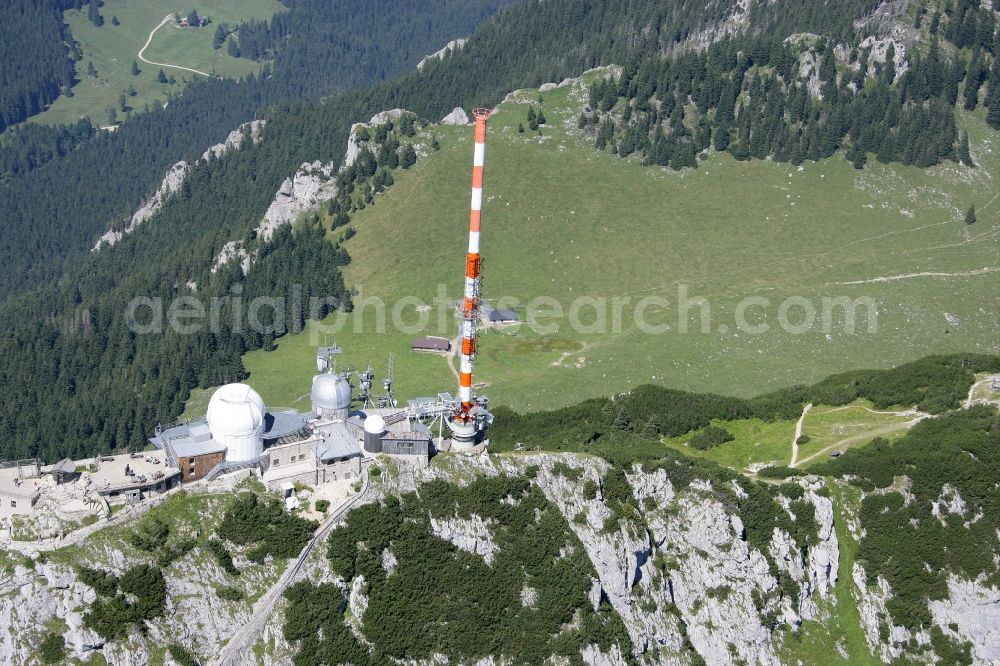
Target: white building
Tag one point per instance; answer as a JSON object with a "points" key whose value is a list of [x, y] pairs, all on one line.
{"points": [[18, 491]]}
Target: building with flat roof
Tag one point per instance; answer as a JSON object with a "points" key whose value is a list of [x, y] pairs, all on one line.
{"points": [[18, 492], [431, 344], [132, 477], [391, 432], [330, 453], [191, 448], [503, 316]]}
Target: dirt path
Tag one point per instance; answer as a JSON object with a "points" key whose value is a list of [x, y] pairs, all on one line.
{"points": [[451, 356], [166, 19], [909, 276], [871, 434], [970, 400], [798, 433]]}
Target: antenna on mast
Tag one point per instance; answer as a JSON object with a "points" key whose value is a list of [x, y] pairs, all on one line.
{"points": [[389, 399]]}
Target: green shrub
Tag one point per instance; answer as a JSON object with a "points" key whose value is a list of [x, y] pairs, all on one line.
{"points": [[112, 617], [779, 472], [230, 593], [52, 649], [104, 582], [322, 505], [181, 656], [404, 621], [571, 473], [222, 556], [265, 524], [710, 437], [589, 490]]}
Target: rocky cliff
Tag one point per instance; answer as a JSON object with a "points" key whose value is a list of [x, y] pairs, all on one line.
{"points": [[676, 560], [173, 179]]}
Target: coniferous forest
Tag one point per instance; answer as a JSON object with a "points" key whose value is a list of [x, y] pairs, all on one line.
{"points": [[67, 350], [35, 65]]}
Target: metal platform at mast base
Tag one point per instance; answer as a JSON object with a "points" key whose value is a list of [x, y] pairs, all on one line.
{"points": [[447, 445]]}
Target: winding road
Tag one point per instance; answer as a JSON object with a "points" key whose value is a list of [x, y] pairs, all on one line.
{"points": [[239, 649], [166, 19]]}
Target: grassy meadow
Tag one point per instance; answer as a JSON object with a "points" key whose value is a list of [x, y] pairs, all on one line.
{"points": [[113, 48], [561, 220]]}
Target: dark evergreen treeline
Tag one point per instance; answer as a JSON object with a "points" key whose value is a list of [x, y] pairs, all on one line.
{"points": [[69, 344], [29, 146], [916, 542], [51, 215], [106, 178], [102, 386], [35, 65], [340, 44], [760, 97], [934, 384], [61, 200]]}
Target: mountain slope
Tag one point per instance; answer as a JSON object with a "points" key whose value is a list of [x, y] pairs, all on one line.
{"points": [[563, 221]]}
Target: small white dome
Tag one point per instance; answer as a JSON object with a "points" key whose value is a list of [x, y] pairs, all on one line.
{"points": [[236, 418], [375, 424], [330, 393]]}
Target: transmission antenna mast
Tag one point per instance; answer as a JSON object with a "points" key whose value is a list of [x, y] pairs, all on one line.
{"points": [[473, 264]]}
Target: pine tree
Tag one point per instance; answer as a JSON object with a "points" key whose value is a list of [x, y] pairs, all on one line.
{"points": [[232, 48], [520, 128], [683, 156], [887, 149], [932, 70], [112, 116], [963, 151], [721, 141], [889, 69], [94, 14], [621, 421], [122, 102], [161, 77], [219, 37], [115, 21], [857, 157], [135, 68], [409, 157], [437, 146], [91, 70], [973, 79], [970, 215], [652, 428], [993, 104], [541, 116]]}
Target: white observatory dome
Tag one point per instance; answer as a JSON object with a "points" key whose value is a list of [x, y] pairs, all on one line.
{"points": [[331, 396], [375, 424], [236, 418]]}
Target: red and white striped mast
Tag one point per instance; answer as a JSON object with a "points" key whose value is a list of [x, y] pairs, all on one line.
{"points": [[473, 265]]}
